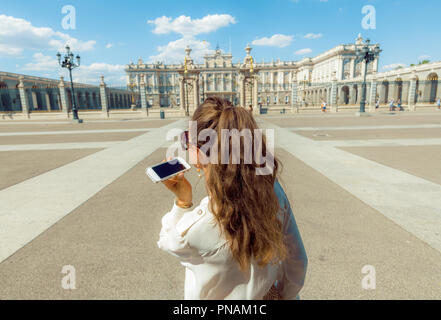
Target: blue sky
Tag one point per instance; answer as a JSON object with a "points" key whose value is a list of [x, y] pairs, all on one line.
{"points": [[108, 34]]}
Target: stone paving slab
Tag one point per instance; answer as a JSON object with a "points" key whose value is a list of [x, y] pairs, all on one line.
{"points": [[22, 217], [383, 142], [342, 234], [408, 133], [376, 127], [53, 138], [58, 146], [421, 161], [352, 120], [110, 234], [87, 125], [111, 241], [18, 166], [411, 202], [76, 132]]}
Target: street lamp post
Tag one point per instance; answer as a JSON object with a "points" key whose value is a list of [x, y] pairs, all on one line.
{"points": [[69, 63], [367, 54]]}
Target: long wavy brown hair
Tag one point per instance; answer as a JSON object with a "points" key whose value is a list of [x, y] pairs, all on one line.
{"points": [[244, 204]]}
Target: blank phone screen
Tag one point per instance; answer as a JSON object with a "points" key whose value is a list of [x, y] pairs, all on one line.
{"points": [[168, 168]]}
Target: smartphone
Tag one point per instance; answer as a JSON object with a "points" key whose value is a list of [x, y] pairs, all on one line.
{"points": [[167, 170]]}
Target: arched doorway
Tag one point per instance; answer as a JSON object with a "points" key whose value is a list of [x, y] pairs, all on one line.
{"points": [[433, 87], [385, 91], [69, 99], [399, 84], [345, 92], [88, 103], [354, 94], [5, 99]]}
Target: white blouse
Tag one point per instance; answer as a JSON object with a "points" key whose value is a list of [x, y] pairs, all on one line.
{"points": [[211, 271]]}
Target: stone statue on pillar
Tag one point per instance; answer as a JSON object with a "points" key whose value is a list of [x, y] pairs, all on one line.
{"points": [[249, 82], [189, 85]]}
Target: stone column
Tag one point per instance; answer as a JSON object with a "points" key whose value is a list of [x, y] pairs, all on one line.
{"points": [[182, 94], [295, 93], [231, 83], [381, 91], [242, 91], [353, 94], [143, 96], [63, 99], [255, 94], [333, 100], [372, 95], [363, 68], [412, 93], [103, 96], [272, 80], [24, 101], [360, 92], [59, 102], [393, 91], [340, 69], [34, 100], [341, 96], [438, 90], [375, 66], [48, 101], [352, 69], [196, 93]]}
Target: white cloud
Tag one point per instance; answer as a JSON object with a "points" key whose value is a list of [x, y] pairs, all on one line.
{"points": [[17, 35], [424, 57], [303, 51], [187, 27], [6, 50], [313, 36], [277, 40], [109, 45], [114, 73], [42, 63], [393, 66], [174, 51]]}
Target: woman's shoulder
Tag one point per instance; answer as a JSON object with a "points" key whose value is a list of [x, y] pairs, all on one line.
{"points": [[200, 229]]}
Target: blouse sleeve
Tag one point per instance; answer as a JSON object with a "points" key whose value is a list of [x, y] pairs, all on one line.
{"points": [[295, 266], [172, 237]]}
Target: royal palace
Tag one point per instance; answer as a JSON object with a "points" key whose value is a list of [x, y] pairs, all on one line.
{"points": [[335, 77]]}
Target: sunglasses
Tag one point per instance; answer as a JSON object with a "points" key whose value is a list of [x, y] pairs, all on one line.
{"points": [[185, 142]]}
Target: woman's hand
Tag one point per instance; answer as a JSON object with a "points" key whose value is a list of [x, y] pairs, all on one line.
{"points": [[181, 188]]}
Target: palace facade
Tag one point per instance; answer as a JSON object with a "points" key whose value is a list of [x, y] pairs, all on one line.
{"points": [[335, 76], [218, 75]]}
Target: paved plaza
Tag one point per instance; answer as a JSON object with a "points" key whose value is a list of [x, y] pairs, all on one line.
{"points": [[364, 191]]}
